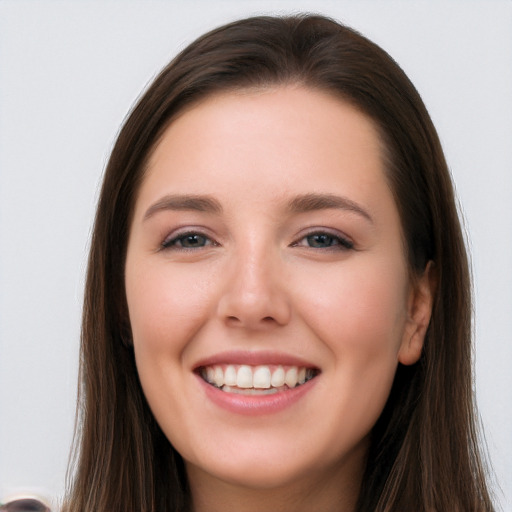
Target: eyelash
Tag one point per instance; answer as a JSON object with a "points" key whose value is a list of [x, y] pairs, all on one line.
{"points": [[176, 242], [334, 241]]}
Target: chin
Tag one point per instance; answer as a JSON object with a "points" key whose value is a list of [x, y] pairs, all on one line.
{"points": [[272, 469], [261, 475]]}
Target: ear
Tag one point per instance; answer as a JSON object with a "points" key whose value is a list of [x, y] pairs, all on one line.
{"points": [[420, 303]]}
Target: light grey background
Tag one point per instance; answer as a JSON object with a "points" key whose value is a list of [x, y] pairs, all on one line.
{"points": [[69, 72]]}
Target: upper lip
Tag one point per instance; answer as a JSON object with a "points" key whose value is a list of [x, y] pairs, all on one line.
{"points": [[253, 358]]}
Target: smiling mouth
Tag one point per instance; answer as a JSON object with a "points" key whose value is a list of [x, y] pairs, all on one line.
{"points": [[256, 380]]}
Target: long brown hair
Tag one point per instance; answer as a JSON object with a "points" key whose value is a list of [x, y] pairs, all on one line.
{"points": [[424, 453]]}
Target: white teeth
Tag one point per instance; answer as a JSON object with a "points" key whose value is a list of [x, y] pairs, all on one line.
{"points": [[277, 379], [218, 376], [233, 378], [210, 374], [230, 375], [301, 377], [250, 391], [261, 378], [244, 377], [290, 379]]}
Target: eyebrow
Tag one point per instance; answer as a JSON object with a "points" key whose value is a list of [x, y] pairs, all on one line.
{"points": [[311, 202], [184, 202], [300, 204]]}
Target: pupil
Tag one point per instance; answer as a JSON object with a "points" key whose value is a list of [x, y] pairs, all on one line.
{"points": [[193, 240], [320, 240]]}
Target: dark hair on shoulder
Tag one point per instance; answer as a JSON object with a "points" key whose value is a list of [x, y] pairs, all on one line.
{"points": [[424, 454]]}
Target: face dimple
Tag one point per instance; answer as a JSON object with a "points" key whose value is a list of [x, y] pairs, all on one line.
{"points": [[265, 238]]}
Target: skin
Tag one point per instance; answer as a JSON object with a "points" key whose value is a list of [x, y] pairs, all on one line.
{"points": [[254, 282]]}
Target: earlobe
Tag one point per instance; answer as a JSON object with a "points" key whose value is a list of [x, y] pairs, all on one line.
{"points": [[419, 313]]}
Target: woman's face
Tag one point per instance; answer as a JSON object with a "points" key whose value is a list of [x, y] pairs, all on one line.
{"points": [[267, 287]]}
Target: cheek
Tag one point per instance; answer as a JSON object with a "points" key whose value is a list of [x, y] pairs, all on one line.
{"points": [[360, 312], [360, 318], [166, 309]]}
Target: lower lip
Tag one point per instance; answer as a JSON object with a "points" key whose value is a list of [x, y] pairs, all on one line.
{"points": [[253, 405]]}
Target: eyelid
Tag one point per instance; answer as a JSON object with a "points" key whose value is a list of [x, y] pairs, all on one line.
{"points": [[345, 242], [169, 242]]}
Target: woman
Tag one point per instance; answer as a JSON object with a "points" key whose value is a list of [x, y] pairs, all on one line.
{"points": [[277, 307]]}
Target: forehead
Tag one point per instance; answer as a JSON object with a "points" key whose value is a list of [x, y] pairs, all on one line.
{"points": [[290, 104], [279, 139]]}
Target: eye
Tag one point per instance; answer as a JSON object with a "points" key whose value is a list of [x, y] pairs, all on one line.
{"points": [[324, 240], [188, 241]]}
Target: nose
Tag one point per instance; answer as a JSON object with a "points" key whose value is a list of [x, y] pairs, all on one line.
{"points": [[254, 294]]}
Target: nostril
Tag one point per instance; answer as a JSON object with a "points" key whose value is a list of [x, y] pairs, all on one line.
{"points": [[235, 320]]}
